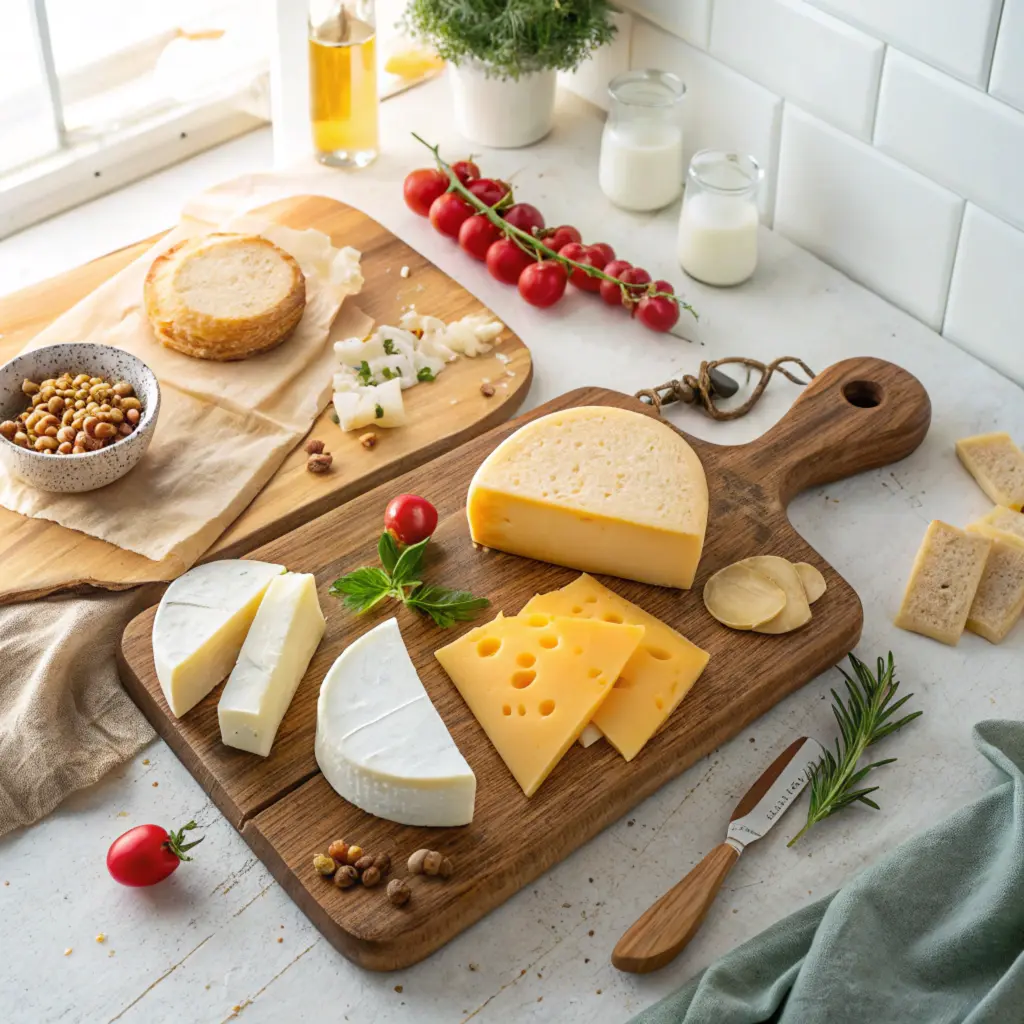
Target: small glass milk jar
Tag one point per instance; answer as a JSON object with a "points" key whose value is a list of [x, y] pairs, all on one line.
{"points": [[641, 165], [719, 218]]}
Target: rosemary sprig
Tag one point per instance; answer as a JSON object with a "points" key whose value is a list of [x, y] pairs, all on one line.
{"points": [[535, 247], [864, 719]]}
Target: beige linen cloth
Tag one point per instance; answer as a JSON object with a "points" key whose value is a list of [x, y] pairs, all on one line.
{"points": [[224, 428]]}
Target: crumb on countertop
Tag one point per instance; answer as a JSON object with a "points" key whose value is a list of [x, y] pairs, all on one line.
{"points": [[404, 272]]}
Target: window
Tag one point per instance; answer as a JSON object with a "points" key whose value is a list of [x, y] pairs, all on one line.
{"points": [[95, 94]]}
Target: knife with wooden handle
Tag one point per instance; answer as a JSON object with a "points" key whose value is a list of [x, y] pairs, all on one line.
{"points": [[658, 936]]}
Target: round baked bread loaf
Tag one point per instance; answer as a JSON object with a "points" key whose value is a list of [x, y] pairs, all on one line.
{"points": [[224, 296]]}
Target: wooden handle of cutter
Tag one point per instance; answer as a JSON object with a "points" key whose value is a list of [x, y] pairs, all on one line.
{"points": [[658, 936], [856, 415]]}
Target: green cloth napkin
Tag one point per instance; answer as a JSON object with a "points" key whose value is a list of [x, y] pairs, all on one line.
{"points": [[932, 934]]}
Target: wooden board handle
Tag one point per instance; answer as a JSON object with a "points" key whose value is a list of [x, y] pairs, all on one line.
{"points": [[856, 415], [658, 936]]}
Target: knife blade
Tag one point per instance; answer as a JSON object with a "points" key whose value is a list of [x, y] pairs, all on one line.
{"points": [[661, 933]]}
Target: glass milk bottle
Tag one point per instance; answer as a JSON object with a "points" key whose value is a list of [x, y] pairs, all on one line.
{"points": [[343, 101], [641, 165], [719, 218]]}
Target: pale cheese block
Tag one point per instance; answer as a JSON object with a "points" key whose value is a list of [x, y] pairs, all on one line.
{"points": [[943, 582], [999, 600], [590, 735], [380, 742], [658, 675], [281, 642], [200, 626], [533, 682], [1001, 519], [595, 488], [997, 465]]}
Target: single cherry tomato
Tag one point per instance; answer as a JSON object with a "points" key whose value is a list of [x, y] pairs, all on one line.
{"points": [[635, 276], [610, 291], [465, 170], [592, 257], [422, 187], [542, 284], [410, 518], [525, 217], [658, 312], [573, 251], [489, 191], [555, 238], [477, 235], [664, 286], [448, 212], [147, 854], [605, 249], [506, 261]]}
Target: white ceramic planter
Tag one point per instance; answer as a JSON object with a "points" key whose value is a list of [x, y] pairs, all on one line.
{"points": [[502, 112]]}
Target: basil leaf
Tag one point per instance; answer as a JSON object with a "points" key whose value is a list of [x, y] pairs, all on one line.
{"points": [[387, 551], [363, 588], [426, 374], [446, 607], [389, 347], [407, 568]]}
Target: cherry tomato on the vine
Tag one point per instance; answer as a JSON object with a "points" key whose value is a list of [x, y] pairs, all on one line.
{"points": [[605, 249], [465, 170], [592, 256], [477, 235], [147, 854], [422, 187], [561, 236], [658, 312], [489, 191], [525, 217], [410, 518], [573, 251], [635, 275], [664, 286], [610, 291], [447, 213], [506, 261], [542, 284]]}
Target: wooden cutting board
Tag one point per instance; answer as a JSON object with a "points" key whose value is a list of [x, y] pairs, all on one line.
{"points": [[40, 557], [857, 415]]}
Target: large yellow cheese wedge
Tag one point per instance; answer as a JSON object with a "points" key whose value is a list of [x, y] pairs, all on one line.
{"points": [[534, 681], [595, 488], [657, 676]]}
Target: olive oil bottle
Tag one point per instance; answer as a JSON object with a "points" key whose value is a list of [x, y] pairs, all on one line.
{"points": [[343, 82]]}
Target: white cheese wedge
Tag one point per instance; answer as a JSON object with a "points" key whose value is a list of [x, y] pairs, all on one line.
{"points": [[282, 639], [370, 406], [381, 743], [200, 626]]}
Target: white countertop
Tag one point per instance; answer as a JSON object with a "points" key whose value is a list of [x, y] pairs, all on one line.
{"points": [[207, 940]]}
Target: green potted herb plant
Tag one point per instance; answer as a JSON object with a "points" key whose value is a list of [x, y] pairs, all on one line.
{"points": [[504, 55]]}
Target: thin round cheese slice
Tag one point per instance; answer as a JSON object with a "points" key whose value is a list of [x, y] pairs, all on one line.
{"points": [[782, 573], [740, 597], [812, 580]]}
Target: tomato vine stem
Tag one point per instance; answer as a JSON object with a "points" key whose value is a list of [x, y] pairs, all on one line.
{"points": [[535, 247]]}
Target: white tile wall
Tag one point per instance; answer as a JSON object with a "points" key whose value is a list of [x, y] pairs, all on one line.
{"points": [[722, 109], [955, 35], [687, 19], [884, 225], [806, 56], [1008, 67], [956, 135], [871, 156], [986, 302]]}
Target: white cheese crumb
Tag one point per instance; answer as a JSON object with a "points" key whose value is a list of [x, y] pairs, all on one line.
{"points": [[404, 272], [485, 380], [502, 358], [454, 401], [510, 373]]}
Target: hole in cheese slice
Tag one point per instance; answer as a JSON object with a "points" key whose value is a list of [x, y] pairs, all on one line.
{"points": [[651, 684], [742, 598], [595, 488], [571, 681]]}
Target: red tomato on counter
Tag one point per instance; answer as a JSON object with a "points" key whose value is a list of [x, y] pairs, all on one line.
{"points": [[147, 854]]}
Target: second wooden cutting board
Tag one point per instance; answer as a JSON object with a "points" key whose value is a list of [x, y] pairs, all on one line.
{"points": [[857, 415]]}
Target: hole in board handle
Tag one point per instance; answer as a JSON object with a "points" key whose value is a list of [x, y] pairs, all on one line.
{"points": [[864, 394]]}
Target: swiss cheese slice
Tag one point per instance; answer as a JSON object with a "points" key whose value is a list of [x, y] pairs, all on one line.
{"points": [[534, 681], [381, 743], [595, 488], [201, 623], [651, 684], [274, 657]]}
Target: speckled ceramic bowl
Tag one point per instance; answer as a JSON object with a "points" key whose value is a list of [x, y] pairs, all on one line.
{"points": [[86, 472]]}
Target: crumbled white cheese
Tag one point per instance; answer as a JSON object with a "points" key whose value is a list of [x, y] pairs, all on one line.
{"points": [[502, 358], [404, 272]]}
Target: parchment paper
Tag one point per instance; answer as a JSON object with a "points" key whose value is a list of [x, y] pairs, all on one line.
{"points": [[224, 428]]}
